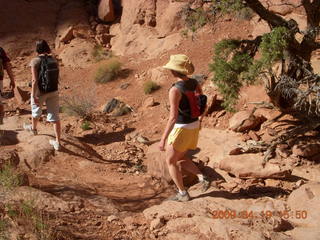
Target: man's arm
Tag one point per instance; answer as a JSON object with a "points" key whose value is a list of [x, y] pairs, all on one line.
{"points": [[8, 67]]}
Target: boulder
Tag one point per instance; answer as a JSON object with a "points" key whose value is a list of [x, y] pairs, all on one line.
{"points": [[116, 107], [103, 39], [102, 29], [304, 203], [106, 11], [35, 152], [8, 157], [281, 9], [157, 167], [77, 54], [134, 35], [157, 75], [67, 35], [82, 31], [244, 120], [71, 15], [41, 200], [251, 166], [306, 150], [203, 218]]}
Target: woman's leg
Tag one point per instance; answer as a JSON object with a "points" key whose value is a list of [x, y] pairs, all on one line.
{"points": [[187, 164], [57, 130], [172, 158]]}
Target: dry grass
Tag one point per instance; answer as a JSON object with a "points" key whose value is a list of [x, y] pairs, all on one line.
{"points": [[77, 106], [150, 86], [108, 70]]}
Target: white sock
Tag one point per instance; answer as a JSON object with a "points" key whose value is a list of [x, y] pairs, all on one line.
{"points": [[182, 192], [200, 177]]}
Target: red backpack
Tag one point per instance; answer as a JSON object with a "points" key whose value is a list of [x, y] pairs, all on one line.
{"points": [[197, 102]]}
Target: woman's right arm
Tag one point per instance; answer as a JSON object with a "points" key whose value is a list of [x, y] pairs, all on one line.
{"points": [[174, 99]]}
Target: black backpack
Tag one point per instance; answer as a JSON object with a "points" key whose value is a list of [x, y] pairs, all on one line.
{"points": [[1, 64], [48, 74]]}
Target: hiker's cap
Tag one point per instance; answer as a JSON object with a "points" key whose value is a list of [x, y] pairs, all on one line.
{"points": [[180, 63]]}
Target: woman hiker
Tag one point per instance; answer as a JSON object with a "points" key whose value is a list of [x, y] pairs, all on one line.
{"points": [[45, 76], [182, 130]]}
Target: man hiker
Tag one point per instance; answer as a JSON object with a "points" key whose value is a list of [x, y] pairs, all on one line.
{"points": [[182, 129], [5, 65], [45, 77]]}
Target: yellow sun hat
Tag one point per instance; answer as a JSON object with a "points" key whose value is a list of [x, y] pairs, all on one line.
{"points": [[180, 63]]}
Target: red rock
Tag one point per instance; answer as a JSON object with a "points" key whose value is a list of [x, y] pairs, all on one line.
{"points": [[253, 136], [243, 121], [306, 150], [148, 102], [67, 35], [106, 11]]}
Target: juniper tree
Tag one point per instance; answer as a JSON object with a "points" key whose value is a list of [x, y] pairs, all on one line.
{"points": [[296, 90]]}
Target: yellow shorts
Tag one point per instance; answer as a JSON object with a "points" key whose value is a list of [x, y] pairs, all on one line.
{"points": [[183, 139]]}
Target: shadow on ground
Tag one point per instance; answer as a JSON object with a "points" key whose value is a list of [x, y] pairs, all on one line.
{"points": [[106, 138], [8, 137]]}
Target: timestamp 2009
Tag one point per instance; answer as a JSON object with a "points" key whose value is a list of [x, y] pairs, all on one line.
{"points": [[232, 214]]}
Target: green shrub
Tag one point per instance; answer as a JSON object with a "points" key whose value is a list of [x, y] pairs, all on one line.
{"points": [[99, 53], [245, 13], [233, 67], [228, 6], [108, 71], [86, 126], [31, 218], [150, 86], [9, 178], [77, 106], [3, 227], [195, 19]]}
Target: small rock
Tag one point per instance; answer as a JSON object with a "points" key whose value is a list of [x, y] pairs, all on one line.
{"points": [[253, 136], [124, 86], [272, 183], [112, 218], [236, 151], [229, 185], [142, 139], [157, 223], [67, 36], [149, 102], [306, 150], [299, 183], [102, 29]]}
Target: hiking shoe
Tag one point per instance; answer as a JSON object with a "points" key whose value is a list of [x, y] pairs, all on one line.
{"points": [[179, 197], [28, 127], [55, 144], [205, 184]]}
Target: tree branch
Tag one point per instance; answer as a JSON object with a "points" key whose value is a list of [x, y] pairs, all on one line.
{"points": [[272, 19]]}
